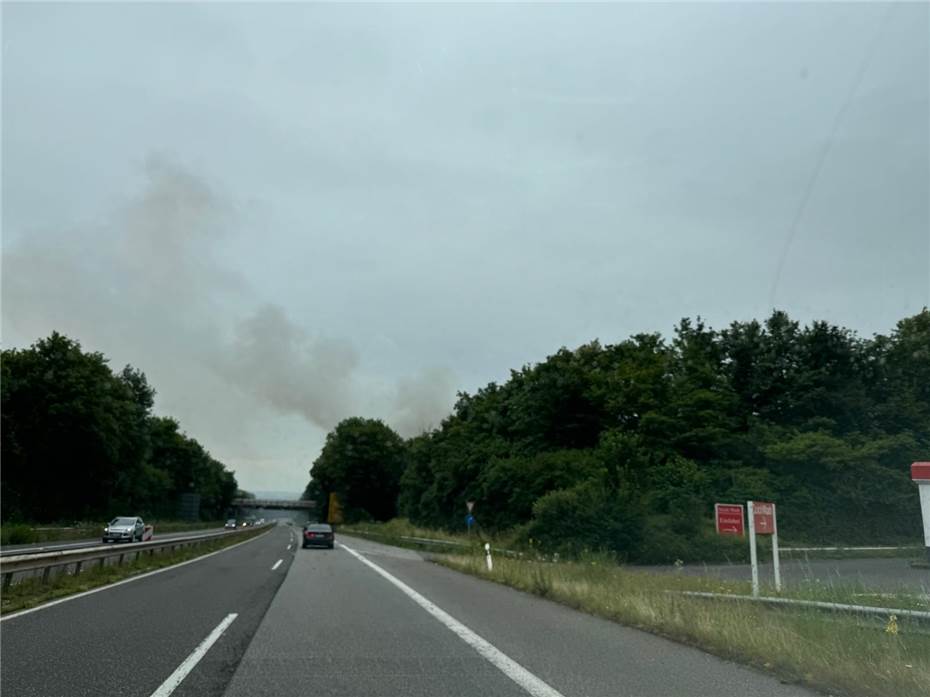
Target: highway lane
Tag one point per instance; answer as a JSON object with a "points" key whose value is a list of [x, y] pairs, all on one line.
{"points": [[128, 639], [12, 550], [339, 627]]}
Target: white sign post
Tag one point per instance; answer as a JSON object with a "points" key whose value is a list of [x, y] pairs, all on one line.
{"points": [[752, 550], [762, 520], [920, 474], [487, 551], [775, 552]]}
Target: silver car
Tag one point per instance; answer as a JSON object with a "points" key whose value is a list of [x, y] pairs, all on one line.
{"points": [[125, 529]]}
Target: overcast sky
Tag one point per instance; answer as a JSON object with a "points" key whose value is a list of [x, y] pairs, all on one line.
{"points": [[290, 214]]}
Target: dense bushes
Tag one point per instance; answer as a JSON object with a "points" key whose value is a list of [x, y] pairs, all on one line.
{"points": [[586, 517], [664, 543]]}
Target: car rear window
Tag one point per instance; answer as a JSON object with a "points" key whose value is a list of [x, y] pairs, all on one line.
{"points": [[319, 528]]}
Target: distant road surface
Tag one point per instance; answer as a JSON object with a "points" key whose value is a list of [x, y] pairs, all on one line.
{"points": [[268, 618]]}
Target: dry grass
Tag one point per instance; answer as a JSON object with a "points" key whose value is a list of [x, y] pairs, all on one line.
{"points": [[839, 654]]}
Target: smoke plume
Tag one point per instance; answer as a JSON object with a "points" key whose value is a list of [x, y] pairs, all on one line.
{"points": [[146, 285]]}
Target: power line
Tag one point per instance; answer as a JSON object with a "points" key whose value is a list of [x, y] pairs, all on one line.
{"points": [[825, 152]]}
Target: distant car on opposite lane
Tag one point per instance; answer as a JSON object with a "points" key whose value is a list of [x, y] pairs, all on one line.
{"points": [[124, 528], [230, 524], [318, 535]]}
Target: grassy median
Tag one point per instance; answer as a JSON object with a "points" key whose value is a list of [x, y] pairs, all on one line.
{"points": [[835, 653], [31, 592]]}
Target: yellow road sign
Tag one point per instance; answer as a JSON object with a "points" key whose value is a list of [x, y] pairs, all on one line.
{"points": [[334, 510]]}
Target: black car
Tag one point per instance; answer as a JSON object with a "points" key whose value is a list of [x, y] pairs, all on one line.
{"points": [[319, 535]]}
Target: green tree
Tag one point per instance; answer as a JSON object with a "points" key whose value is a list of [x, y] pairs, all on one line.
{"points": [[362, 461], [189, 468], [71, 434], [587, 516], [508, 487], [813, 417]]}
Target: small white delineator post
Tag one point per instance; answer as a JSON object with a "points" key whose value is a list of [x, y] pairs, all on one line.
{"points": [[752, 550], [487, 552]]}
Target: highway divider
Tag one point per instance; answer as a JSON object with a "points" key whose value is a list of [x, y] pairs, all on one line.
{"points": [[73, 561]]}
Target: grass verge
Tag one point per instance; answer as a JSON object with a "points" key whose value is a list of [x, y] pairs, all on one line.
{"points": [[835, 653], [32, 591]]}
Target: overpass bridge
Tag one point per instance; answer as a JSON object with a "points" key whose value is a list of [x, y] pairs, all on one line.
{"points": [[275, 504]]}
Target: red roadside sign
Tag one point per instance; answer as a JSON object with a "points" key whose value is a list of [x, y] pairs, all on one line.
{"points": [[763, 516], [920, 471], [729, 518]]}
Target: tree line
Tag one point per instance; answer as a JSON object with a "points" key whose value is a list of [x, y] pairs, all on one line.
{"points": [[626, 447], [80, 442]]}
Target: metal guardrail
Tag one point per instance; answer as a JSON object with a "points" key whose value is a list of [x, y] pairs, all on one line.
{"points": [[429, 541], [917, 615], [877, 548], [274, 504], [46, 562]]}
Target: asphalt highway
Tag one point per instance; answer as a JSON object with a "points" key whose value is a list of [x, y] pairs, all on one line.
{"points": [[267, 618], [339, 626], [128, 639]]}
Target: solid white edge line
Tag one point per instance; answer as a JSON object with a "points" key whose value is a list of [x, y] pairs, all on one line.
{"points": [[50, 603], [181, 672], [509, 667], [277, 564]]}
